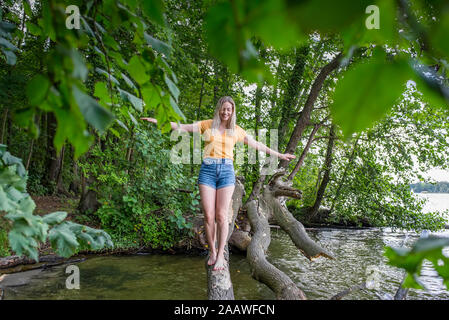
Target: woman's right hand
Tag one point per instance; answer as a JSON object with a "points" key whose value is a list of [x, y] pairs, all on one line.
{"points": [[149, 119]]}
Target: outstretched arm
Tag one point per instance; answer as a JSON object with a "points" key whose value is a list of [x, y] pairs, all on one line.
{"points": [[183, 127], [260, 146]]}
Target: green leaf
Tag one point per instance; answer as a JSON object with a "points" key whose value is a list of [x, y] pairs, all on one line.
{"points": [[102, 92], [23, 245], [150, 96], [27, 8], [114, 132], [268, 20], [121, 124], [54, 217], [107, 75], [63, 240], [128, 97], [5, 203], [128, 81], [176, 109], [220, 20], [37, 89], [72, 127], [11, 58], [158, 45], [367, 91], [328, 16], [25, 118], [154, 10], [80, 70], [132, 118], [427, 82], [411, 260], [8, 45], [96, 115], [33, 28], [173, 88], [27, 205], [439, 32], [137, 70]]}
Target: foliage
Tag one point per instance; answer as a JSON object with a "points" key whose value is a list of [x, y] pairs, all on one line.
{"points": [[4, 245], [374, 186], [27, 229], [411, 259], [139, 196]]}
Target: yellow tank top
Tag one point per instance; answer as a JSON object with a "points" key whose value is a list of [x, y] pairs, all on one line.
{"points": [[219, 145]]}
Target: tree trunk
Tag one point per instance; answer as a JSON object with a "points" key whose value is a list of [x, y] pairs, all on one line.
{"points": [[88, 202], [293, 89], [198, 113], [304, 118], [304, 152], [327, 168], [343, 178], [3, 139], [266, 208], [53, 159]]}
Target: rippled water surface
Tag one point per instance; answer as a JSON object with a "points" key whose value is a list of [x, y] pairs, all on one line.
{"points": [[358, 253]]}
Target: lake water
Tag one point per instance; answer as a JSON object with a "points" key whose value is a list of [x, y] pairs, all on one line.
{"points": [[359, 255]]}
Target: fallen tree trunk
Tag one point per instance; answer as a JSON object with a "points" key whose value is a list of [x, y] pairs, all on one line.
{"points": [[281, 216], [266, 208]]}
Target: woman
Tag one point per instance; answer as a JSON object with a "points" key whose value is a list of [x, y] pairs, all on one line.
{"points": [[216, 179]]}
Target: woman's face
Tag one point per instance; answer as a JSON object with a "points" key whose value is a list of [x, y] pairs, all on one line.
{"points": [[226, 111]]}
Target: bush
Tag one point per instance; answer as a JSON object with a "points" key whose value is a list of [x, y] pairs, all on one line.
{"points": [[140, 198]]}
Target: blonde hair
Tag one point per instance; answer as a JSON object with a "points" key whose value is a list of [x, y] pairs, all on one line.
{"points": [[217, 120]]}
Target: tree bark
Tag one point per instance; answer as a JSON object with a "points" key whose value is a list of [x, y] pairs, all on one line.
{"points": [[293, 90], [265, 208], [304, 118], [304, 152], [261, 269], [343, 178], [5, 121], [327, 168]]}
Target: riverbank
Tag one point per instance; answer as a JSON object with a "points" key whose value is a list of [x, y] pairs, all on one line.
{"points": [[47, 256], [358, 254], [190, 246]]}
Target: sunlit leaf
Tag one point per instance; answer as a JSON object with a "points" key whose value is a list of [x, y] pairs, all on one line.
{"points": [[367, 91]]}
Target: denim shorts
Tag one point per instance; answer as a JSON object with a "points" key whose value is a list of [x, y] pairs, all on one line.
{"points": [[217, 173]]}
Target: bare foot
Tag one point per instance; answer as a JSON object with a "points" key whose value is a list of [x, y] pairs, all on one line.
{"points": [[219, 264], [212, 258]]}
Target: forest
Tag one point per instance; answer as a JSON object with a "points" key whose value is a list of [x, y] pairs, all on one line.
{"points": [[438, 187], [360, 106]]}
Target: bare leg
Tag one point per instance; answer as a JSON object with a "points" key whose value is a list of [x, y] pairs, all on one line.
{"points": [[224, 196], [207, 195]]}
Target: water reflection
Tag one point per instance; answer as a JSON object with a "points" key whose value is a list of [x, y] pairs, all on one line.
{"points": [[357, 252]]}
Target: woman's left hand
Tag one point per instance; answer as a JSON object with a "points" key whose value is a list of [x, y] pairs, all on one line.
{"points": [[287, 156]]}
